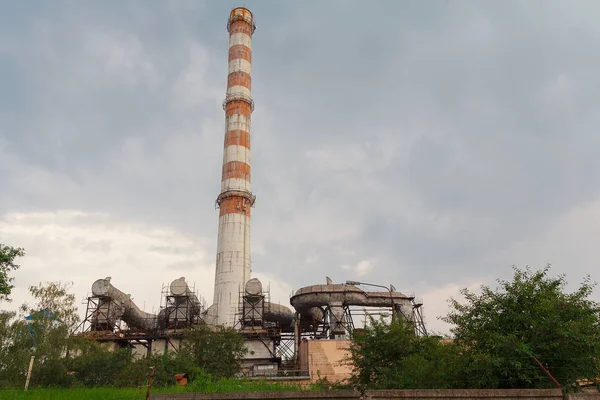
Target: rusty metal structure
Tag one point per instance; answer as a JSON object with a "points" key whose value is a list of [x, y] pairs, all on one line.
{"points": [[114, 305], [269, 332], [112, 316], [328, 311], [182, 307]]}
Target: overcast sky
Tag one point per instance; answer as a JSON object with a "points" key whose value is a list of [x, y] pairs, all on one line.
{"points": [[428, 144]]}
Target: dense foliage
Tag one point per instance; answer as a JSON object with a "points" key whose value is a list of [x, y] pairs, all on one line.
{"points": [[62, 360], [221, 352], [80, 362], [38, 332], [504, 331], [7, 264], [390, 356], [501, 336]]}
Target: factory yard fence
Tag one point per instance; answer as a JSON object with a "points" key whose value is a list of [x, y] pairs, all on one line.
{"points": [[429, 394]]}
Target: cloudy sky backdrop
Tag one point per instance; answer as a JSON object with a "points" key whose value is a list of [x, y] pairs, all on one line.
{"points": [[428, 144]]}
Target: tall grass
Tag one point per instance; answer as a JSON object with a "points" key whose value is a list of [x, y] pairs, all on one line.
{"points": [[74, 394], [200, 385]]}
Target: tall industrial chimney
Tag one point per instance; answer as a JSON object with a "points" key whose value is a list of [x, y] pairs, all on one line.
{"points": [[233, 246]]}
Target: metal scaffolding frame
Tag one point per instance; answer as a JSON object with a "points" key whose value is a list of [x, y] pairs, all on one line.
{"points": [[180, 311], [417, 317], [252, 324], [341, 326], [103, 321]]}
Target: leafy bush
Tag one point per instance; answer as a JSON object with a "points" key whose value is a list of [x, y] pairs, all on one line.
{"points": [[391, 356], [506, 331]]}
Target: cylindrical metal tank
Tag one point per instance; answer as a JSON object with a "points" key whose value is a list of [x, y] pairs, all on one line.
{"points": [[253, 290], [183, 307], [123, 307]]}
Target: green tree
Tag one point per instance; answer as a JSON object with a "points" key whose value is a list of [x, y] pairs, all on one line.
{"points": [[41, 330], [15, 350], [7, 264], [503, 331], [46, 331], [59, 302], [219, 352], [94, 363], [391, 356], [63, 360]]}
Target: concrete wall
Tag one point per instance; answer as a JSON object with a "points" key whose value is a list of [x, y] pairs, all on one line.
{"points": [[594, 394], [257, 349], [471, 394], [299, 395], [258, 361], [324, 359], [466, 394], [139, 351], [174, 346], [158, 347]]}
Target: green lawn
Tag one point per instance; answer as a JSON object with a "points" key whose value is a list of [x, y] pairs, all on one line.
{"points": [[225, 385], [74, 394]]}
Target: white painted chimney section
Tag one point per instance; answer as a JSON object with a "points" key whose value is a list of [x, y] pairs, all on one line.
{"points": [[233, 246]]}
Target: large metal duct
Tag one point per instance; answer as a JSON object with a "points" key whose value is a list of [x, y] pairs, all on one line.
{"points": [[114, 304], [282, 314], [339, 295], [321, 295]]}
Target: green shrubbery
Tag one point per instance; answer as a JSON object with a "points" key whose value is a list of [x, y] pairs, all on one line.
{"points": [[92, 364], [390, 356], [65, 361], [8, 255], [500, 336]]}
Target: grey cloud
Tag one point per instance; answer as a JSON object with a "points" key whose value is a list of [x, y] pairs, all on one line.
{"points": [[426, 136]]}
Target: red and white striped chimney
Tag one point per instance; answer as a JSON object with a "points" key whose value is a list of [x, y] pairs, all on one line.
{"points": [[235, 200]]}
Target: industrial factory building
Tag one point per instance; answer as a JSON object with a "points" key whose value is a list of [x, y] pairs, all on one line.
{"points": [[308, 337]]}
